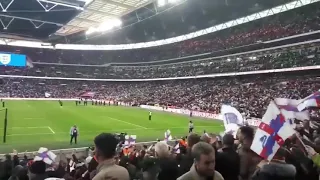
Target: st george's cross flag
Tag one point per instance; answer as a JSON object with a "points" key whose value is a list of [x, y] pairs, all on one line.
{"points": [[45, 155], [291, 106], [273, 130], [311, 101], [130, 140]]}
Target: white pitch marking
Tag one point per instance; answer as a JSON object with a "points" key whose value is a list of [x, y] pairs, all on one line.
{"points": [[126, 122], [38, 127], [34, 118], [51, 129], [35, 134]]}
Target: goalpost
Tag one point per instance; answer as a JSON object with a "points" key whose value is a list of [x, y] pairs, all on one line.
{"points": [[4, 112]]}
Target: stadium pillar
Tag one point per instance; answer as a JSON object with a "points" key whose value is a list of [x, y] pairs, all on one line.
{"points": [[5, 126]]}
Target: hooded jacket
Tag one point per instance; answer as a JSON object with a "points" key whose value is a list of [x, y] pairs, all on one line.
{"points": [[275, 171]]}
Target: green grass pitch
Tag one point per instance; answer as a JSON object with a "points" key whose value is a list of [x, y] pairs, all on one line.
{"points": [[32, 124]]}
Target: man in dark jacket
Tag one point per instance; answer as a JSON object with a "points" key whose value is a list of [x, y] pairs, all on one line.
{"points": [[6, 168], [276, 169], [227, 159], [187, 160]]}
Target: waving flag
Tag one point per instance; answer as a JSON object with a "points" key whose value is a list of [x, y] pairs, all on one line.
{"points": [[290, 106], [130, 140], [272, 132], [45, 155], [311, 101], [47, 95], [72, 165], [177, 148], [167, 136], [232, 119]]}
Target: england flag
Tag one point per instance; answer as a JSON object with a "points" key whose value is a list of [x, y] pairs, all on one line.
{"points": [[45, 155], [311, 101], [290, 107], [272, 132]]}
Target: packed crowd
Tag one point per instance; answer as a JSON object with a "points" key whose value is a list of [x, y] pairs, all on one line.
{"points": [[281, 58], [297, 21], [249, 94], [196, 157]]}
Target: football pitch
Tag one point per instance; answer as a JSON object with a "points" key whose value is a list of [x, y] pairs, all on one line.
{"points": [[34, 124]]}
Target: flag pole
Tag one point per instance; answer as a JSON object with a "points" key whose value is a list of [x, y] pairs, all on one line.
{"points": [[298, 136]]}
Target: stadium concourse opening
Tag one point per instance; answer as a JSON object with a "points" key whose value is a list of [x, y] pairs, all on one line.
{"points": [[32, 124]]}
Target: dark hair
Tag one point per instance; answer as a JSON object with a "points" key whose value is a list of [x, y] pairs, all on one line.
{"points": [[247, 131], [38, 167], [201, 148], [106, 143], [228, 140], [193, 139]]}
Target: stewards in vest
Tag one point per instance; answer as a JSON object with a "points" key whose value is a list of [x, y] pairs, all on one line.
{"points": [[74, 132]]}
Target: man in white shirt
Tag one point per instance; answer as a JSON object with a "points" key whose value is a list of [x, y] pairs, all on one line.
{"points": [[190, 127]]}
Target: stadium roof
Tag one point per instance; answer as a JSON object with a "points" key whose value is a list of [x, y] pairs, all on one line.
{"points": [[98, 11], [38, 19]]}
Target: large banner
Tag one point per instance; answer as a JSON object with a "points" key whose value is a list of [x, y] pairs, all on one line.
{"points": [[7, 59], [88, 94]]}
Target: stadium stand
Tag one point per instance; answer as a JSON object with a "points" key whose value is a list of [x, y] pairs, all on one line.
{"points": [[278, 26], [239, 69], [295, 56]]}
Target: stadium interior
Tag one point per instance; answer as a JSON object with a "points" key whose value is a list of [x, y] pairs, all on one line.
{"points": [[160, 89]]}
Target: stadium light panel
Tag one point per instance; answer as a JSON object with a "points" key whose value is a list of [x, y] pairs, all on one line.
{"points": [[173, 1], [105, 26], [90, 30], [161, 3]]}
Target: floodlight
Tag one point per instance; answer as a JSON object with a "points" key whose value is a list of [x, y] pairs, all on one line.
{"points": [[116, 22], [161, 3], [173, 1], [90, 30]]}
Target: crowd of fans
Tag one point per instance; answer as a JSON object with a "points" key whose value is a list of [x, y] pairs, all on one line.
{"points": [[249, 94], [195, 157], [281, 58], [206, 156]]}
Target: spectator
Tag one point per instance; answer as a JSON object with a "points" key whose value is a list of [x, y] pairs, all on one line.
{"points": [[227, 159], [277, 169], [248, 159], [204, 163], [7, 167], [105, 149], [168, 166], [37, 171], [188, 159]]}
